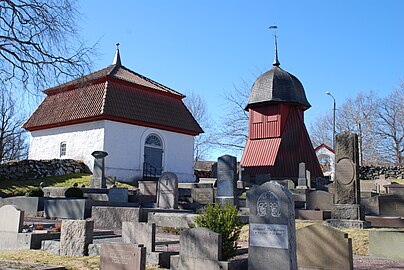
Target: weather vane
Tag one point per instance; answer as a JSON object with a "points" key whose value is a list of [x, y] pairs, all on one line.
{"points": [[276, 61]]}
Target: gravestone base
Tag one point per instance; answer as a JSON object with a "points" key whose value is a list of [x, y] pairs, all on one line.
{"points": [[347, 224], [347, 211], [222, 200]]}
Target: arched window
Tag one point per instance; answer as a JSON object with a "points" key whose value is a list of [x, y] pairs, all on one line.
{"points": [[154, 141], [62, 149]]}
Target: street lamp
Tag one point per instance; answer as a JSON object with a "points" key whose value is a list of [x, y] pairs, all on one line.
{"points": [[333, 120]]}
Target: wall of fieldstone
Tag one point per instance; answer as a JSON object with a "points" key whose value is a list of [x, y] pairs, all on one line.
{"points": [[33, 169], [373, 172]]}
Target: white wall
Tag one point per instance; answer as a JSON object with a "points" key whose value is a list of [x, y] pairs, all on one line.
{"points": [[81, 140], [124, 144]]}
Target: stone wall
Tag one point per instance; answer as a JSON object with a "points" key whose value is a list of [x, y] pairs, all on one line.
{"points": [[33, 169], [373, 172]]}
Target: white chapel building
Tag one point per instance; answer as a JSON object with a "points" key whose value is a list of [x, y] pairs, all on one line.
{"points": [[143, 125]]}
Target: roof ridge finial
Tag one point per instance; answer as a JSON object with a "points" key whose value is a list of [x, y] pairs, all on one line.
{"points": [[117, 58], [276, 61]]}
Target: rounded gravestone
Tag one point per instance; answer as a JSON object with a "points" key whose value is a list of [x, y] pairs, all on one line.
{"points": [[345, 171]]}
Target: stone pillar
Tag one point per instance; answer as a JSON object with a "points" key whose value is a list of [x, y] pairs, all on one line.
{"points": [[226, 179], [75, 237], [272, 239], [347, 211], [98, 178]]}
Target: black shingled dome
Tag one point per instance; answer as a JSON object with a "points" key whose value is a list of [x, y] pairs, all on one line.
{"points": [[277, 86]]}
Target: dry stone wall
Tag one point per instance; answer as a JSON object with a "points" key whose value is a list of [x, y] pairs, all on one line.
{"points": [[33, 169], [373, 172]]}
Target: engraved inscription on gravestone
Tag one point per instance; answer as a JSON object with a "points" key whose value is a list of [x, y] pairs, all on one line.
{"points": [[345, 171], [269, 235]]}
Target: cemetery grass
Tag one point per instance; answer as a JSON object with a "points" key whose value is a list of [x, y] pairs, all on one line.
{"points": [[70, 263], [360, 238], [20, 187]]}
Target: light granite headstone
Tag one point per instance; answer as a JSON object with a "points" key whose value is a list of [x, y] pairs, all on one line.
{"points": [[11, 219], [139, 233], [308, 177], [118, 256], [302, 181], [98, 178], [272, 238], [201, 243], [226, 179], [323, 247], [75, 237], [167, 191]]}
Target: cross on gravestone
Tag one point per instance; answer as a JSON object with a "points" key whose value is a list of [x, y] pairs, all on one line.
{"points": [[167, 191], [98, 178], [226, 179], [272, 237]]}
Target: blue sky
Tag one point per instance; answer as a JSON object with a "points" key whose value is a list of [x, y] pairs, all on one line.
{"points": [[208, 46]]}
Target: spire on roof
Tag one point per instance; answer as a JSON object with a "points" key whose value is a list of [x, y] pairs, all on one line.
{"points": [[276, 61], [117, 58]]}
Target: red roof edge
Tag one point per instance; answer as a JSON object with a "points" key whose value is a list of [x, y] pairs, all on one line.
{"points": [[325, 146], [116, 119]]}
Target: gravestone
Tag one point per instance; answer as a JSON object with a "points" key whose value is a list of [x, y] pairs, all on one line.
{"points": [[308, 177], [380, 183], [75, 237], [139, 233], [98, 178], [116, 194], [323, 247], [272, 238], [118, 256], [167, 191], [319, 200], [302, 181], [202, 195], [11, 219], [347, 210], [226, 179]]}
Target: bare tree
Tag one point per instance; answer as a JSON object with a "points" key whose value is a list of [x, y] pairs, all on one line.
{"points": [[12, 137], [233, 131], [39, 43], [359, 115], [321, 130], [390, 126], [198, 108]]}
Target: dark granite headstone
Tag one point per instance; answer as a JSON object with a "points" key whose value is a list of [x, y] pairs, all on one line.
{"points": [[272, 239], [118, 256], [226, 179], [347, 211]]}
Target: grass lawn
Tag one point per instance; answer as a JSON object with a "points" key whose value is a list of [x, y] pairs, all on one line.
{"points": [[20, 187]]}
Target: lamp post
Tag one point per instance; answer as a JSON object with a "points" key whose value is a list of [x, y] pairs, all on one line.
{"points": [[333, 120]]}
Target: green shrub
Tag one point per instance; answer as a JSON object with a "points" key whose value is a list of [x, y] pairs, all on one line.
{"points": [[223, 220], [35, 192], [73, 192]]}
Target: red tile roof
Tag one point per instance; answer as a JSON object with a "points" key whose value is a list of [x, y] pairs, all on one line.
{"points": [[118, 94]]}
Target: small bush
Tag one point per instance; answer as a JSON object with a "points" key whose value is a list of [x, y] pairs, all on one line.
{"points": [[35, 192], [223, 220], [73, 193]]}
